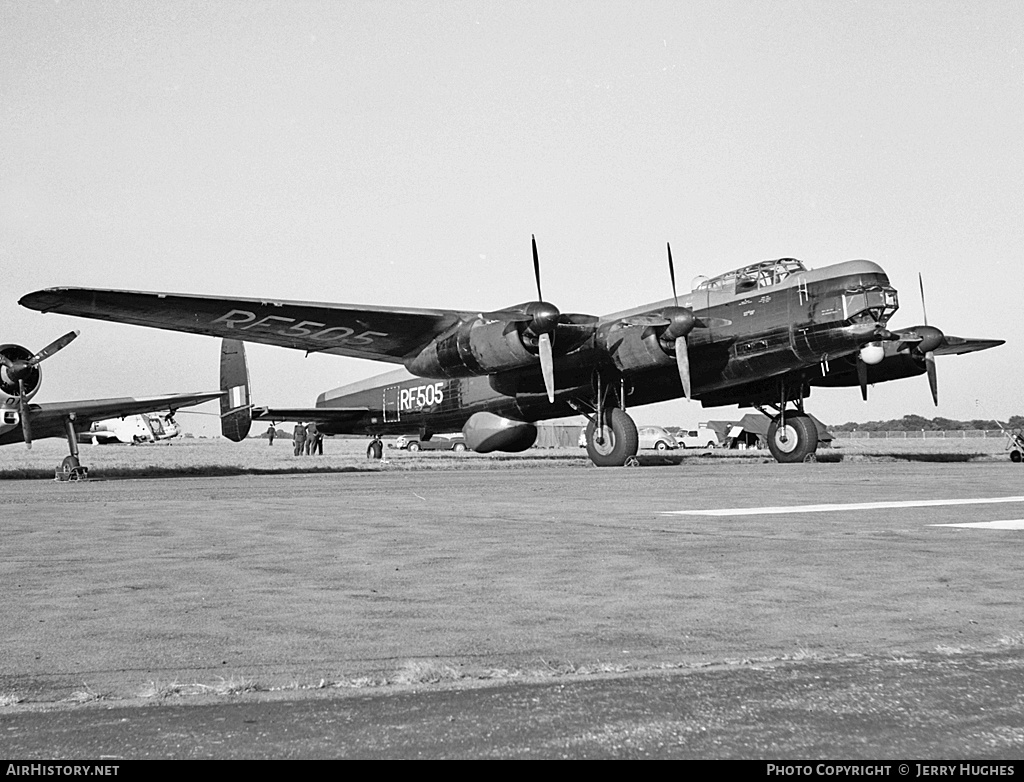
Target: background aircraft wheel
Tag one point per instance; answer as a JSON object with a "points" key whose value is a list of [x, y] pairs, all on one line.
{"points": [[796, 442], [68, 468], [375, 450], [620, 440], [414, 447], [1015, 456]]}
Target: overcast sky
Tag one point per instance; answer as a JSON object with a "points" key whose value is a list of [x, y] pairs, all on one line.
{"points": [[401, 153]]}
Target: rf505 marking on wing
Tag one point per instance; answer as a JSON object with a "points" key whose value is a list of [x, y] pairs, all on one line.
{"points": [[244, 320]]}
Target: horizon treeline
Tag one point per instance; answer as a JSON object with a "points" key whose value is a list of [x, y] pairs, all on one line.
{"points": [[915, 423]]}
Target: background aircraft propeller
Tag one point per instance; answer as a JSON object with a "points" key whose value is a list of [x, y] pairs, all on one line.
{"points": [[18, 370]]}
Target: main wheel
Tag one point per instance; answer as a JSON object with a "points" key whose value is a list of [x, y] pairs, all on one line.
{"points": [[620, 440], [375, 450], [794, 442]]}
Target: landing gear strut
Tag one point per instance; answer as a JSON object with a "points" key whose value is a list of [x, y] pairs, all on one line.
{"points": [[792, 435], [71, 469]]}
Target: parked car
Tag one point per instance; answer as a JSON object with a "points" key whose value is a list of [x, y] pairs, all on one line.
{"points": [[455, 442], [701, 437], [657, 438]]}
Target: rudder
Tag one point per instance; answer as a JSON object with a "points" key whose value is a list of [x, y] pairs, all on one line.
{"points": [[235, 405]]}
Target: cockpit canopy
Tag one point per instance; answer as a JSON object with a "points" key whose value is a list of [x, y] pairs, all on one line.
{"points": [[752, 277], [872, 303]]}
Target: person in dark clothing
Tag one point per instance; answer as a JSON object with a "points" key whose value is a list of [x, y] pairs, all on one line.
{"points": [[299, 439]]}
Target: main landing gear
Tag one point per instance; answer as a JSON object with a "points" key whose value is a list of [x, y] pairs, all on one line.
{"points": [[792, 435], [612, 439], [71, 469], [614, 442]]}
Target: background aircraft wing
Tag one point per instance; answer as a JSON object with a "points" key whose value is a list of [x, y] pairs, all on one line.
{"points": [[378, 333], [336, 416], [48, 418], [955, 345]]}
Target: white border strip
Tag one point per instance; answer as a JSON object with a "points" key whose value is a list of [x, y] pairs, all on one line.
{"points": [[786, 509]]}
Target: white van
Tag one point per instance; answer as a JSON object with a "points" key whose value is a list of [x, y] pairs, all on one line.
{"points": [[701, 437]]}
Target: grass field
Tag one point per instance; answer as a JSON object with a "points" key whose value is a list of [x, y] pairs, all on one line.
{"points": [[221, 457]]}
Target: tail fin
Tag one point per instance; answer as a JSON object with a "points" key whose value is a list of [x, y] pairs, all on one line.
{"points": [[235, 405]]}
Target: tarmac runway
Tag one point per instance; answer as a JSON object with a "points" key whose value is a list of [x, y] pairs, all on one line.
{"points": [[284, 592]]}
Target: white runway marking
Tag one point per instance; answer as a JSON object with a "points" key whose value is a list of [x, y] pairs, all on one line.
{"points": [[839, 507], [1005, 524]]}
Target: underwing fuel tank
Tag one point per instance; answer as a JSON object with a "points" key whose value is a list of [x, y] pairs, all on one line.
{"points": [[487, 432]]}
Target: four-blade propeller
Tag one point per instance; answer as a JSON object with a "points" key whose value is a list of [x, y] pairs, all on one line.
{"points": [[18, 370]]}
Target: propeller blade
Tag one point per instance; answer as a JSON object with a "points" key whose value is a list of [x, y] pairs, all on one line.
{"points": [[26, 427], [536, 266], [924, 312], [53, 347], [862, 378], [672, 274], [683, 362], [547, 365], [933, 377]]}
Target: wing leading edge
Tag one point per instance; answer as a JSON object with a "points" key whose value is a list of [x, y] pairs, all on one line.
{"points": [[377, 333]]}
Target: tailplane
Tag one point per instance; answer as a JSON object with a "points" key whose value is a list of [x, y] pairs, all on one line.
{"points": [[235, 405]]}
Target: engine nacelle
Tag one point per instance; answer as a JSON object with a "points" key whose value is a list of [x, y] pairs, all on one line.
{"points": [[31, 377], [634, 348], [476, 347], [893, 367], [487, 432]]}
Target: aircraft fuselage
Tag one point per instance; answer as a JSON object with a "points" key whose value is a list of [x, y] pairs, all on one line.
{"points": [[755, 336]]}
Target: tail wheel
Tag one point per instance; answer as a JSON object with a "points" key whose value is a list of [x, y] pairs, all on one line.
{"points": [[620, 440], [1015, 456], [375, 450], [796, 441]]}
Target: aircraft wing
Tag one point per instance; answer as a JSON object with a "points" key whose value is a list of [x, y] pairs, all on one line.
{"points": [[48, 418], [956, 345], [377, 333]]}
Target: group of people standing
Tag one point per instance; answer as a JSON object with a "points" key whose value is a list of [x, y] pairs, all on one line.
{"points": [[306, 439]]}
